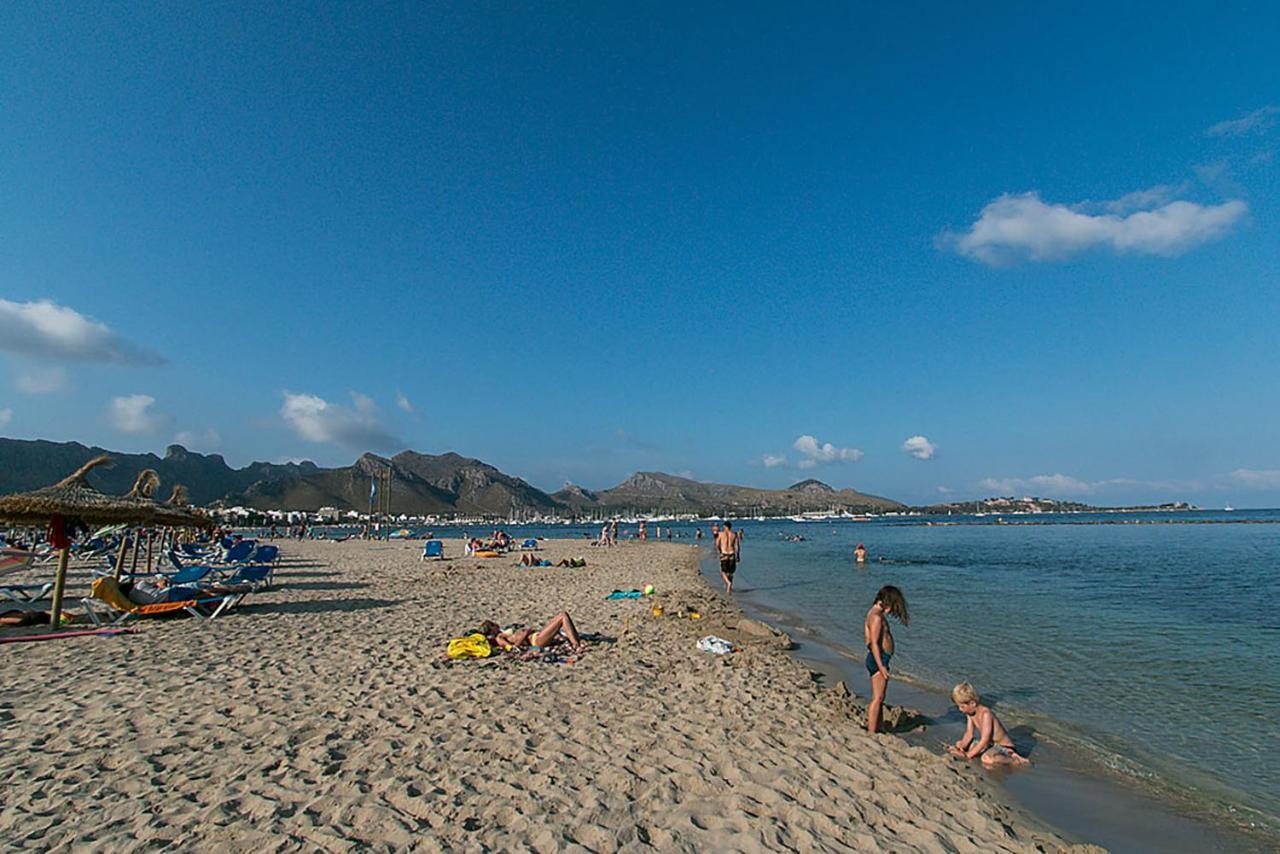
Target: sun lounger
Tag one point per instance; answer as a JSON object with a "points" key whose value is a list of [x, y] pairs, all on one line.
{"points": [[265, 554], [109, 606], [240, 552], [21, 596], [432, 548], [528, 544], [258, 577]]}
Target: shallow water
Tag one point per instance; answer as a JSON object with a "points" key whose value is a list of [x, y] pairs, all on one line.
{"points": [[1154, 647]]}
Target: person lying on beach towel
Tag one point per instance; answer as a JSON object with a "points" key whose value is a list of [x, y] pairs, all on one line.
{"points": [[527, 559], [558, 630], [573, 562]]}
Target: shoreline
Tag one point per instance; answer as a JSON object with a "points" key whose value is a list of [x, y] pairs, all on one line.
{"points": [[1072, 792], [323, 714]]}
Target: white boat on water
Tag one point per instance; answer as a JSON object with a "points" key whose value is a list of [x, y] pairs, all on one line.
{"points": [[1228, 508]]}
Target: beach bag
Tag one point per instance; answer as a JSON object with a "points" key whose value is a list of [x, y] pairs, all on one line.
{"points": [[471, 646]]}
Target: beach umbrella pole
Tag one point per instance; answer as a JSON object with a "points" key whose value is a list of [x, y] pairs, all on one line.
{"points": [[124, 547], [59, 584]]}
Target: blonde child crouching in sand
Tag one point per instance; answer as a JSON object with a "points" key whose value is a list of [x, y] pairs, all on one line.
{"points": [[984, 735]]}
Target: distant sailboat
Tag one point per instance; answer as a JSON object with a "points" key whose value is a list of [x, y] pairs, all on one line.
{"points": [[1228, 508]]}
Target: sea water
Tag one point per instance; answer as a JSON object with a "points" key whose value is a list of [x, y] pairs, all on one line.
{"points": [[1152, 647]]}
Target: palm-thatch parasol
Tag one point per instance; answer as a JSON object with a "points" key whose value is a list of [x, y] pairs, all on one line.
{"points": [[74, 497]]}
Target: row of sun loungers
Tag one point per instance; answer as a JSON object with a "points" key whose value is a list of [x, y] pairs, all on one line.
{"points": [[215, 585]]}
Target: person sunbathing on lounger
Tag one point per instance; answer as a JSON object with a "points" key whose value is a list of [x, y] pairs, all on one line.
{"points": [[559, 629], [155, 592]]}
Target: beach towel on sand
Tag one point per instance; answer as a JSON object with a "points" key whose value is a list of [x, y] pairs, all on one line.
{"points": [[471, 646], [716, 645], [625, 594]]}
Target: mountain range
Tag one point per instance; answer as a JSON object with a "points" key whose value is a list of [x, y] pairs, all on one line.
{"points": [[419, 484]]}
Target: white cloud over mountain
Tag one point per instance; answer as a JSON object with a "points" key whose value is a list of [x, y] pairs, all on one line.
{"points": [[817, 453], [1023, 227], [1256, 478], [132, 413], [44, 330], [1051, 485], [317, 420], [43, 379]]}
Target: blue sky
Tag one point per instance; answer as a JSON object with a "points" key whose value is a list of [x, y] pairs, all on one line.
{"points": [[741, 242]]}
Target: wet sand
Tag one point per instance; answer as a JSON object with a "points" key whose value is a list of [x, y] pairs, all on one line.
{"points": [[321, 715]]}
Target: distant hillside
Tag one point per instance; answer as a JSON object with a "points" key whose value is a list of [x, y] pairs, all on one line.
{"points": [[420, 483], [665, 493], [1010, 504]]}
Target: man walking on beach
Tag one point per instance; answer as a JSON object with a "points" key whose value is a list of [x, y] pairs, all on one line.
{"points": [[727, 546]]}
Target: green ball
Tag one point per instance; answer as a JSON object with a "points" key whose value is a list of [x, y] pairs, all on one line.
{"points": [[649, 591]]}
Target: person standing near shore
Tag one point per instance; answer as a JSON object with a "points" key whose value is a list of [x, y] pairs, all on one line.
{"points": [[880, 647], [860, 553], [727, 547]]}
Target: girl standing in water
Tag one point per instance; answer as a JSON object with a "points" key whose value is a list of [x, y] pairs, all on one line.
{"points": [[879, 640]]}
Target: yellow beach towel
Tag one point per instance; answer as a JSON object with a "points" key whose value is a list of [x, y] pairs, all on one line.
{"points": [[471, 646]]}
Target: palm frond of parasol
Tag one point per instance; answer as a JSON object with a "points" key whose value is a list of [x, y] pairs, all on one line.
{"points": [[144, 484]]}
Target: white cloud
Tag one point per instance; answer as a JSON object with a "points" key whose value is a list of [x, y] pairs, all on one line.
{"points": [[945, 490], [41, 380], [772, 461], [1256, 478], [403, 402], [44, 330], [317, 420], [919, 447], [132, 414], [1140, 200], [6, 415], [1022, 227], [816, 453], [1259, 120], [204, 442], [1040, 485]]}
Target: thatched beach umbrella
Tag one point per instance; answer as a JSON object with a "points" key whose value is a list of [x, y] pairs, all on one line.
{"points": [[73, 497], [153, 513]]}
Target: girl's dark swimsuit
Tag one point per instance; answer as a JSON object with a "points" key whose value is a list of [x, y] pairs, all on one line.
{"points": [[872, 667]]}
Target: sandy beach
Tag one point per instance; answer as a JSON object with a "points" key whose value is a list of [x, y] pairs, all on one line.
{"points": [[321, 715]]}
